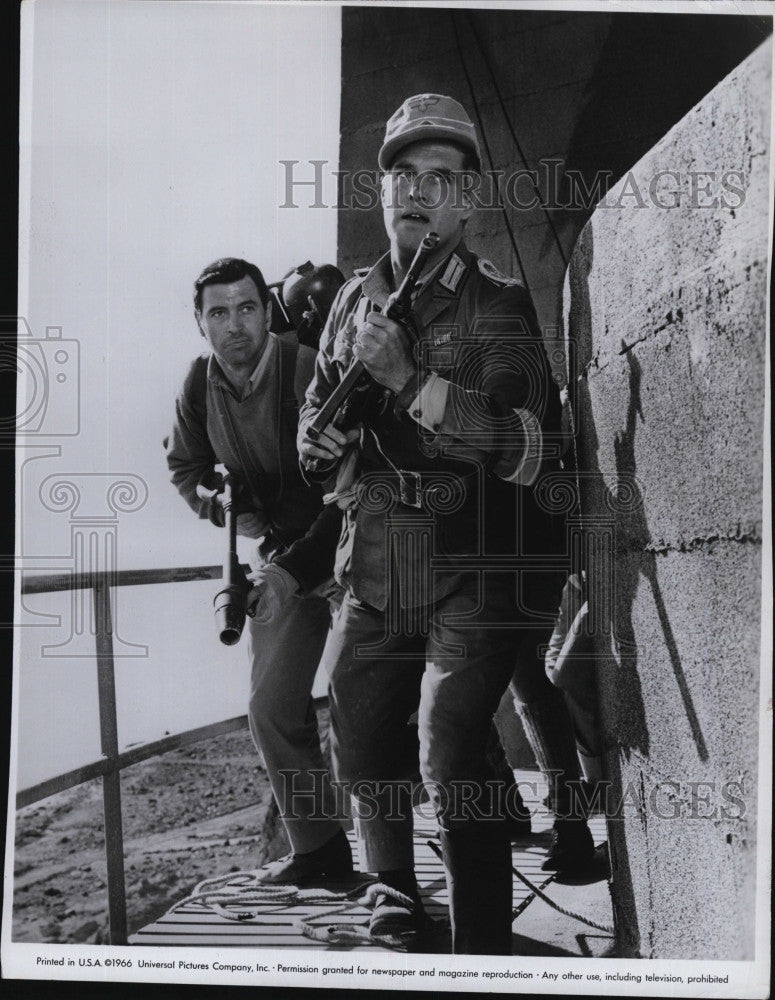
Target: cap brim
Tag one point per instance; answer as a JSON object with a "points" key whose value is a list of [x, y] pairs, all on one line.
{"points": [[422, 132]]}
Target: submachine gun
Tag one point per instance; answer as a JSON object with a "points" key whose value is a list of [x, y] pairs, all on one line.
{"points": [[230, 603], [358, 392]]}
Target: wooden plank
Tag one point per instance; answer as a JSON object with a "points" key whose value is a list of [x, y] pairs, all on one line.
{"points": [[257, 931], [249, 942], [273, 925], [280, 923]]}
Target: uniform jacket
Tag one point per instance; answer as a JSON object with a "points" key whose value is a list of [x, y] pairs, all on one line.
{"points": [[475, 463], [301, 532]]}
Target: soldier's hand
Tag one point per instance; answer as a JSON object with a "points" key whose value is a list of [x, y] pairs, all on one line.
{"points": [[248, 510], [330, 446], [272, 587], [209, 490], [383, 346]]}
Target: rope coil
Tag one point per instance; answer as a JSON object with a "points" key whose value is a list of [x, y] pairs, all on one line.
{"points": [[245, 891]]}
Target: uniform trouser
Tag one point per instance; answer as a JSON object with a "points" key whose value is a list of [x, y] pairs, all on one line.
{"points": [[285, 654], [452, 662], [573, 672]]}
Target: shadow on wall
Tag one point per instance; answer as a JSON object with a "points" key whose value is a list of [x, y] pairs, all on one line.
{"points": [[624, 81], [648, 71], [651, 70], [618, 533], [621, 496]]}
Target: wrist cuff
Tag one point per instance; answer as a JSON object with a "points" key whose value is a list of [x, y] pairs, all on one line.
{"points": [[410, 391]]}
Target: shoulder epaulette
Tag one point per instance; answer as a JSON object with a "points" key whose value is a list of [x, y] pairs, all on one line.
{"points": [[489, 270], [361, 272]]}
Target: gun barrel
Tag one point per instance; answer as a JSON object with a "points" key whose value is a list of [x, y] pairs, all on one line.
{"points": [[356, 374], [403, 298], [229, 604]]}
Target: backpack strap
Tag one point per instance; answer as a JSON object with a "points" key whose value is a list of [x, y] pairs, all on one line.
{"points": [[196, 387], [289, 349]]}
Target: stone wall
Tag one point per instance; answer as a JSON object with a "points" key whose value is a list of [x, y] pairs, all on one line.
{"points": [[667, 309]]}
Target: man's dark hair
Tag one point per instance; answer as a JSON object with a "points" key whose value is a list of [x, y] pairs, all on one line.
{"points": [[471, 164], [226, 271]]}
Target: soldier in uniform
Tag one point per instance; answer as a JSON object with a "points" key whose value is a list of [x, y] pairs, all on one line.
{"points": [[443, 540]]}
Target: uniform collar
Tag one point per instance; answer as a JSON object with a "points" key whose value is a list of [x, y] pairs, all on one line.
{"points": [[443, 285]]}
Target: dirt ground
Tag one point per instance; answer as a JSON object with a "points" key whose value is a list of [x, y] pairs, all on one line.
{"points": [[188, 815]]}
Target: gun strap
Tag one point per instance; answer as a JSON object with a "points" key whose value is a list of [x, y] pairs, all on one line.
{"points": [[289, 349]]}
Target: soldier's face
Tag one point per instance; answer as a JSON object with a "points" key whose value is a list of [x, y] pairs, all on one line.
{"points": [[234, 323], [425, 190]]}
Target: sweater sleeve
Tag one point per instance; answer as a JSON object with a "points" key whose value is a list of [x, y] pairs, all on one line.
{"points": [[310, 559], [190, 455]]}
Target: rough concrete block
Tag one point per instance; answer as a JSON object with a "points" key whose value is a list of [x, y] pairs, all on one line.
{"points": [[666, 310], [663, 826]]}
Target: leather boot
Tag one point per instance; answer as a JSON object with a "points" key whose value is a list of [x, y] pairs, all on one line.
{"points": [[572, 848], [402, 923], [549, 731], [477, 859]]}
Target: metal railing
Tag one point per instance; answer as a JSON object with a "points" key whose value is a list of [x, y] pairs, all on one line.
{"points": [[111, 763]]}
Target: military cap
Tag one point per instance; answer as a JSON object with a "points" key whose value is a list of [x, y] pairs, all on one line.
{"points": [[428, 116]]}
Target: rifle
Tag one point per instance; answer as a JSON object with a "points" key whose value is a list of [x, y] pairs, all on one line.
{"points": [[230, 602], [346, 405]]}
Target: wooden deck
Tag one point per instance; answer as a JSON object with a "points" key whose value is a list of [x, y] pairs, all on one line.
{"points": [[275, 924]]}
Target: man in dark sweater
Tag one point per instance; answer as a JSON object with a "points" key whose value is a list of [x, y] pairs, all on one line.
{"points": [[239, 407]]}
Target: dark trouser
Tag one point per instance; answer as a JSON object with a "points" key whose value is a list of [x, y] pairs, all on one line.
{"points": [[284, 654], [451, 662]]}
